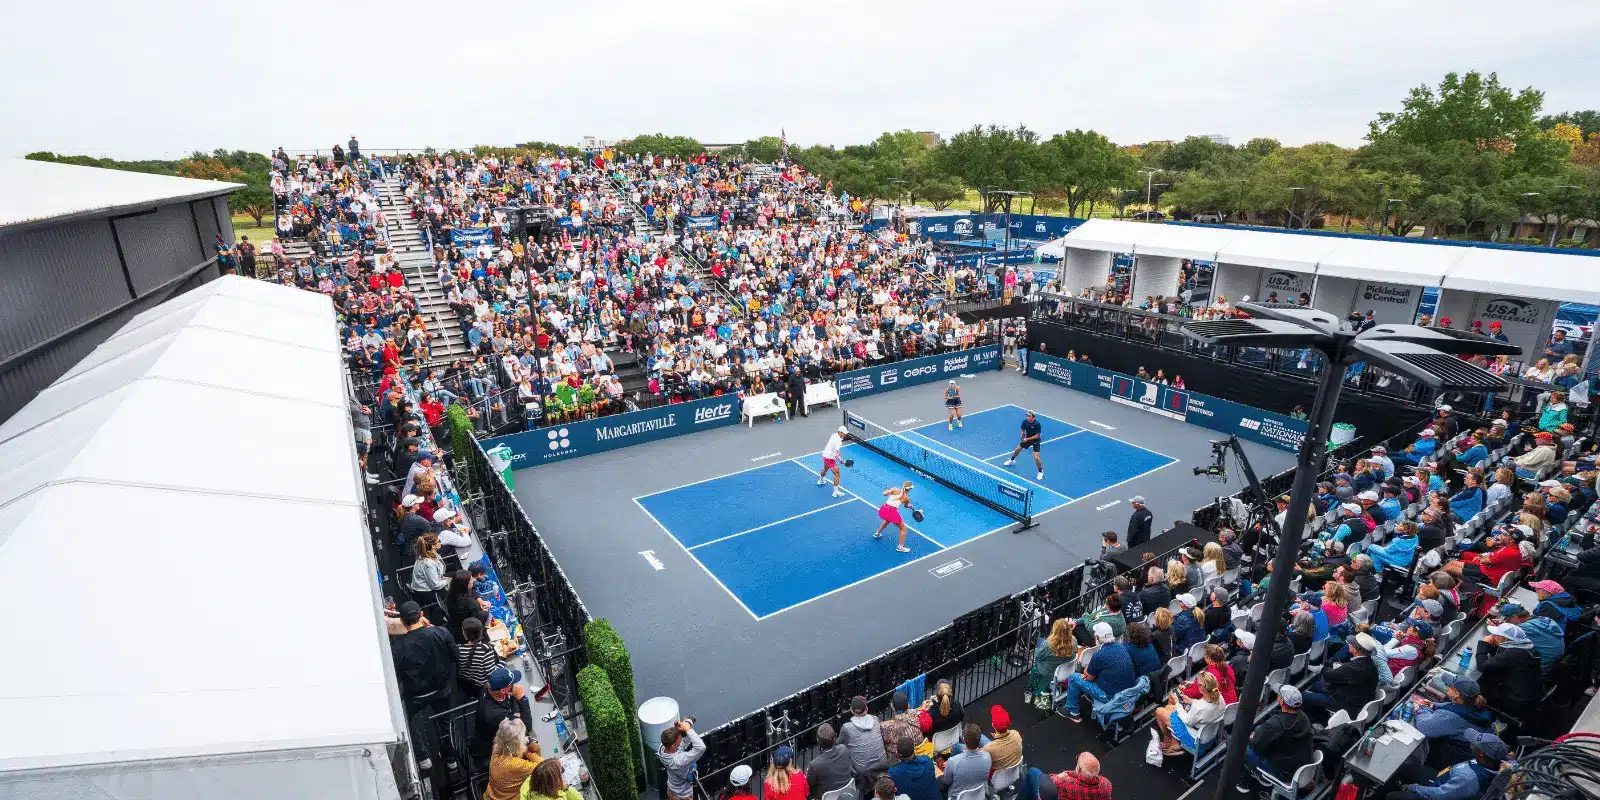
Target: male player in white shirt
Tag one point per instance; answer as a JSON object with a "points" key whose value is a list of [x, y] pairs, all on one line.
{"points": [[830, 460]]}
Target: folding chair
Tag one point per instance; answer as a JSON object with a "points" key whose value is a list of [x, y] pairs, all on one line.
{"points": [[1302, 780], [946, 739]]}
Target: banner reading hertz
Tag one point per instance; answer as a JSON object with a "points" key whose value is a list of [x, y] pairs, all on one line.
{"points": [[590, 436], [900, 374], [1249, 424]]}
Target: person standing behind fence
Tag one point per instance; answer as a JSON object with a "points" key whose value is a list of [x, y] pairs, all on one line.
{"points": [[681, 747], [861, 735], [830, 767]]}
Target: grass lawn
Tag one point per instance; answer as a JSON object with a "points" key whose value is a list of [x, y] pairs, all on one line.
{"points": [[243, 225]]}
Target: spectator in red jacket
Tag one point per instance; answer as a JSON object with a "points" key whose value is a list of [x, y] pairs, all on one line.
{"points": [[1487, 568], [1216, 659]]}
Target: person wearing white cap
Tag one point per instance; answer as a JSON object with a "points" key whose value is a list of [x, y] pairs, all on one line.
{"points": [[1425, 445], [1108, 672], [952, 404], [830, 460], [1351, 528], [1509, 671], [1381, 453], [452, 532]]}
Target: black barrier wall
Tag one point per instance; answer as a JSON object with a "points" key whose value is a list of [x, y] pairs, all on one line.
{"points": [[1374, 418]]}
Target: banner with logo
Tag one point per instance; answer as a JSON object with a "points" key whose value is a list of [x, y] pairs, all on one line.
{"points": [[968, 226], [1524, 322], [1389, 302], [590, 436], [1288, 286], [1226, 416], [700, 221], [900, 374], [471, 237]]}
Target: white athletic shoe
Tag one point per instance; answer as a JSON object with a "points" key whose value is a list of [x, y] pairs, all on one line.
{"points": [[903, 549], [820, 481], [838, 493], [1009, 462], [1039, 477], [958, 422], [950, 425]]}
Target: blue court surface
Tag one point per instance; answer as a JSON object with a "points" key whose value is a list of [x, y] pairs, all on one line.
{"points": [[774, 539]]}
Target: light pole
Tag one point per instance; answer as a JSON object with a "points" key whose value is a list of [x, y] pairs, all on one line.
{"points": [[1149, 175], [1294, 195], [1424, 354], [1517, 237], [1155, 205], [1566, 192], [1385, 223], [896, 183], [1240, 213], [1377, 212]]}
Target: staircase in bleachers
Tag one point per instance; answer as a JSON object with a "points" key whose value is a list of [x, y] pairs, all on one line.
{"points": [[416, 262]]}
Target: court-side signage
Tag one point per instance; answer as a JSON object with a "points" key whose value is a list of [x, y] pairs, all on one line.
{"points": [[587, 437], [900, 374], [1249, 424]]}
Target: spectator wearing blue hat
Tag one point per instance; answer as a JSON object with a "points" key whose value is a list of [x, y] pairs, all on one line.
{"points": [[506, 698], [1447, 724], [1462, 781]]}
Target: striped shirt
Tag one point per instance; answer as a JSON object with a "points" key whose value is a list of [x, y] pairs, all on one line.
{"points": [[475, 662]]}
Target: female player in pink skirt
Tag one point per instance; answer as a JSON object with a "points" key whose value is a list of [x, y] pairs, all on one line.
{"points": [[889, 512]]}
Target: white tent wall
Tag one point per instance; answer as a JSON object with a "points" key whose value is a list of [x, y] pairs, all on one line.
{"points": [[1458, 306], [1154, 276], [324, 774], [1085, 268], [1335, 295], [1235, 282]]}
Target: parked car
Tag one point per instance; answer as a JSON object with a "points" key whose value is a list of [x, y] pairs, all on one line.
{"points": [[1211, 217], [1151, 216]]}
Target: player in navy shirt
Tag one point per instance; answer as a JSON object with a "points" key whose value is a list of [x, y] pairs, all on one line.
{"points": [[1031, 436]]}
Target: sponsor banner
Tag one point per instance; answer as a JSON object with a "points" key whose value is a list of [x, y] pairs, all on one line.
{"points": [[967, 226], [471, 237], [1225, 416], [703, 221], [590, 436], [1389, 302], [1288, 286], [871, 380], [1524, 322]]}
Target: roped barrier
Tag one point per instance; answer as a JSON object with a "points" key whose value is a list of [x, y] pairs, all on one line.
{"points": [[977, 652]]}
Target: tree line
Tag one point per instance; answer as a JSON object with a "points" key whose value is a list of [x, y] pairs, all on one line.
{"points": [[1462, 159], [254, 170]]}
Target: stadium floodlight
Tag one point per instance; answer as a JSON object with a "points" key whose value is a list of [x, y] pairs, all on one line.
{"points": [[1428, 355]]}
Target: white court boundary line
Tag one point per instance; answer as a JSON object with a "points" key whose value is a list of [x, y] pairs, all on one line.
{"points": [[1044, 442], [943, 548], [771, 524]]}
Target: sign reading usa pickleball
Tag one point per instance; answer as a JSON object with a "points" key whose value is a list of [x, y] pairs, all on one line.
{"points": [[590, 436], [1250, 424], [900, 374]]}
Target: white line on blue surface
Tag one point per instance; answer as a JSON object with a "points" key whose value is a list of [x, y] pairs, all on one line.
{"points": [[1042, 442], [770, 524], [703, 567]]}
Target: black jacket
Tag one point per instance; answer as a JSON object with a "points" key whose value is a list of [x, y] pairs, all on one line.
{"points": [[413, 525], [829, 770], [1139, 527], [1428, 537], [487, 717], [1284, 740], [1154, 596], [1511, 678], [424, 660], [1352, 684], [1367, 582]]}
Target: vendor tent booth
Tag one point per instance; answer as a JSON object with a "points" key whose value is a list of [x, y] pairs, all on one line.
{"points": [[185, 568]]}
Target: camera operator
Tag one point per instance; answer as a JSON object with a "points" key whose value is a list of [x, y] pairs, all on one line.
{"points": [[680, 749]]}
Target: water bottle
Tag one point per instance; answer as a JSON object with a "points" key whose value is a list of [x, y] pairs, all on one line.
{"points": [[561, 732], [1466, 659], [1368, 744]]}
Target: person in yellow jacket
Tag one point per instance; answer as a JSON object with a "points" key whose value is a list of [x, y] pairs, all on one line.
{"points": [[546, 783]]}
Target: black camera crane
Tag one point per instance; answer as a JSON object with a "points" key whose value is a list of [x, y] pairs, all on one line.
{"points": [[1261, 515]]}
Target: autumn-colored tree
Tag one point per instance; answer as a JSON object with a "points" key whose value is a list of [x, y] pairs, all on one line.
{"points": [[209, 169]]}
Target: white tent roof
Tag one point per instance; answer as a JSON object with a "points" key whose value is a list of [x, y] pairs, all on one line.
{"points": [[1517, 273], [31, 191], [1520, 273], [186, 503], [1289, 252]]}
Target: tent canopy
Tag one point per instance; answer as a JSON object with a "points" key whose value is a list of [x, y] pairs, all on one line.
{"points": [[187, 505], [1514, 272]]}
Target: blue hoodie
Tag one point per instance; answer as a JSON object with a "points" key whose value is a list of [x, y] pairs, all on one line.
{"points": [[914, 778], [1468, 502], [1548, 640], [1562, 608], [1399, 552]]}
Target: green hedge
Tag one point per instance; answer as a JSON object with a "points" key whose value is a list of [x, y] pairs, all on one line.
{"points": [[460, 444], [606, 649], [610, 756]]}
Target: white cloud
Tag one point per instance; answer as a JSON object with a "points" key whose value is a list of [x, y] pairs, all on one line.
{"points": [[161, 80]]}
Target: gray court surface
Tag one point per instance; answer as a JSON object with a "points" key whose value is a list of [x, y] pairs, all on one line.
{"points": [[690, 639]]}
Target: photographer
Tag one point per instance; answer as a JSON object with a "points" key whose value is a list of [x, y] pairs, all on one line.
{"points": [[680, 749]]}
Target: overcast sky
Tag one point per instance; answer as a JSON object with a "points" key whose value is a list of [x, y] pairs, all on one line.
{"points": [[133, 80]]}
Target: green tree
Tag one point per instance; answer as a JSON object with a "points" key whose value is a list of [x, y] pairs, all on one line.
{"points": [[255, 199], [154, 167], [991, 158], [1085, 165], [679, 148], [766, 149], [1262, 145], [941, 192], [1586, 121]]}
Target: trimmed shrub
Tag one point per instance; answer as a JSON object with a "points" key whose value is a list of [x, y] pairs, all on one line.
{"points": [[610, 757], [460, 444], [606, 649]]}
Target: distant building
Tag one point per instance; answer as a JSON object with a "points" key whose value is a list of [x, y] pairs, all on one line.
{"points": [[82, 250], [930, 138], [595, 143], [1215, 137]]}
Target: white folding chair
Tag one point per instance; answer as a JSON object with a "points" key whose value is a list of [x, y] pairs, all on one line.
{"points": [[1275, 679], [1369, 710], [1004, 779], [1177, 668], [1057, 694], [946, 739], [1302, 780], [1298, 664], [975, 793], [1340, 717], [1241, 619]]}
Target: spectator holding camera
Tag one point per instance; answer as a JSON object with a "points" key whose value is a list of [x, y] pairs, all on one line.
{"points": [[681, 747]]}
